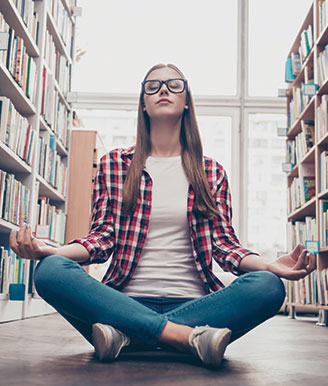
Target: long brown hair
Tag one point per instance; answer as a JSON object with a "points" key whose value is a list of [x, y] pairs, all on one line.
{"points": [[191, 156]]}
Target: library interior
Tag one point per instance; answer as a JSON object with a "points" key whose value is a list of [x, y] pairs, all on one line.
{"points": [[109, 111]]}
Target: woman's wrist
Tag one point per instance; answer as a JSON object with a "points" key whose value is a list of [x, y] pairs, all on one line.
{"points": [[252, 263]]}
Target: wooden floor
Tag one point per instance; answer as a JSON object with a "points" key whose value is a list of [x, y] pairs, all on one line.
{"points": [[47, 351]]}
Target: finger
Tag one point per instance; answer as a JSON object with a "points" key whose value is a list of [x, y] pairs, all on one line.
{"points": [[298, 249], [300, 264], [27, 242], [13, 242], [312, 263], [22, 252], [295, 275]]}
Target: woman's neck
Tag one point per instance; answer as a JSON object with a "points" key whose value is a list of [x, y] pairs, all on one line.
{"points": [[165, 139]]}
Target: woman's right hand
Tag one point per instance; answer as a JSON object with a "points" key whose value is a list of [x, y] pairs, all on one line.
{"points": [[28, 247]]}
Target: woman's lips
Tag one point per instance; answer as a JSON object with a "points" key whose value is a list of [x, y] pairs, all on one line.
{"points": [[163, 101]]}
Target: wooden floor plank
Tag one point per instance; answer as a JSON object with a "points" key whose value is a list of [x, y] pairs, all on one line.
{"points": [[46, 350]]}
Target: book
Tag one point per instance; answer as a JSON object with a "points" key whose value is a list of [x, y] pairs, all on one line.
{"points": [[289, 76], [309, 187]]}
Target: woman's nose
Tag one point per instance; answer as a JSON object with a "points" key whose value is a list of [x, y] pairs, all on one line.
{"points": [[164, 89]]}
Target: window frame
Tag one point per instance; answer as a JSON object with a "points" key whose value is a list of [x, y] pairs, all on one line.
{"points": [[238, 107]]}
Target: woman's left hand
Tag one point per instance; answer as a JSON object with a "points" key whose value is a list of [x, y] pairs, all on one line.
{"points": [[295, 265]]}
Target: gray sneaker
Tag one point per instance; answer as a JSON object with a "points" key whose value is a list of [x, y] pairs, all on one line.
{"points": [[108, 341], [209, 344]]}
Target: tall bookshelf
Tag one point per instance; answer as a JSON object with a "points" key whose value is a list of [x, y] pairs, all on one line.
{"points": [[37, 42], [86, 149], [307, 141]]}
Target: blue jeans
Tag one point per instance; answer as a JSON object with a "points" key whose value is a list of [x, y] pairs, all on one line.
{"points": [[82, 300]]}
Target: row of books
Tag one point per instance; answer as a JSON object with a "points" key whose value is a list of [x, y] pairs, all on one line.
{"points": [[14, 199], [323, 66], [323, 15], [322, 279], [62, 20], [306, 43], [313, 289], [303, 142], [29, 16], [21, 66], [297, 104], [323, 210], [57, 63], [12, 269], [300, 231], [303, 291], [51, 221], [61, 122], [54, 112], [295, 61], [16, 132], [302, 189], [323, 171], [321, 118], [50, 166]]}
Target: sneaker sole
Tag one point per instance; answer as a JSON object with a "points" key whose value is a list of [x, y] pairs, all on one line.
{"points": [[219, 348], [102, 341]]}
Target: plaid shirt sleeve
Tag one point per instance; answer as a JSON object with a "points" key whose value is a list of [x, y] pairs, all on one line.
{"points": [[100, 240], [227, 250]]}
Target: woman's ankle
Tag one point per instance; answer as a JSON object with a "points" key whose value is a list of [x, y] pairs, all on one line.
{"points": [[176, 335]]}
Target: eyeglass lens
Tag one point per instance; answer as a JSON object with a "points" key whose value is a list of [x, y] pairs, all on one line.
{"points": [[174, 85]]}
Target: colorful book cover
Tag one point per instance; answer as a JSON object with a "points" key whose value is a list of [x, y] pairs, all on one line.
{"points": [[289, 77], [309, 187]]}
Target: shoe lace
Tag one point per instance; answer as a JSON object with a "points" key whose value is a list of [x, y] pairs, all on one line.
{"points": [[193, 338]]}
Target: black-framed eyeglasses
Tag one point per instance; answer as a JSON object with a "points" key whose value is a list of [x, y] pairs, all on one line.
{"points": [[175, 85]]}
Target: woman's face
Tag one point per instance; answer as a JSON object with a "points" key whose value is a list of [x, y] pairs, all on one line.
{"points": [[155, 104]]}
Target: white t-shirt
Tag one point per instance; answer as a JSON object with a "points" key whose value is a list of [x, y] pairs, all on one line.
{"points": [[166, 267]]}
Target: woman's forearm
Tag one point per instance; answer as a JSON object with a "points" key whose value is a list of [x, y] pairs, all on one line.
{"points": [[252, 263], [75, 251]]}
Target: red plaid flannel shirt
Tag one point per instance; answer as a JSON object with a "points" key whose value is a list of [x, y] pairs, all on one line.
{"points": [[121, 237]]}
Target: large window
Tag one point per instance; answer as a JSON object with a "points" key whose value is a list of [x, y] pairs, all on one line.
{"points": [[123, 39], [267, 186], [215, 132], [273, 26]]}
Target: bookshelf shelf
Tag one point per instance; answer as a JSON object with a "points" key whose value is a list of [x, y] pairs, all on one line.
{"points": [[323, 194], [59, 145], [309, 156], [40, 202], [6, 226], [47, 190], [300, 77], [308, 209], [307, 114], [10, 89], [322, 40], [8, 9], [11, 161], [292, 174], [324, 140], [324, 88], [61, 94]]}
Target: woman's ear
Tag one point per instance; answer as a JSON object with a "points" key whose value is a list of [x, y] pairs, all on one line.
{"points": [[186, 107]]}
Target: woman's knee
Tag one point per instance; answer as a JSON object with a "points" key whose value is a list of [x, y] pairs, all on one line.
{"points": [[47, 271], [272, 288]]}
